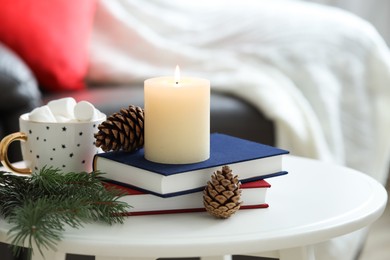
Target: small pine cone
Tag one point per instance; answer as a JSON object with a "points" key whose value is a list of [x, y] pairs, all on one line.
{"points": [[221, 196], [123, 130]]}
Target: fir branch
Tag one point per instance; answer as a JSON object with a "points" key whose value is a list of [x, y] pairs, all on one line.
{"points": [[34, 223], [39, 207], [10, 192]]}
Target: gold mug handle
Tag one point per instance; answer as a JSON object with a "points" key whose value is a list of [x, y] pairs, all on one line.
{"points": [[4, 144]]}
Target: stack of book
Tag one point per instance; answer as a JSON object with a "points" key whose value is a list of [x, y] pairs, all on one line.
{"points": [[155, 188]]}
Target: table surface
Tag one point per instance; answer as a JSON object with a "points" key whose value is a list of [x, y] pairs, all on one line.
{"points": [[315, 202]]}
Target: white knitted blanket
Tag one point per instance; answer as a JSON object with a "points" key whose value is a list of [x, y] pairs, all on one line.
{"points": [[322, 75]]}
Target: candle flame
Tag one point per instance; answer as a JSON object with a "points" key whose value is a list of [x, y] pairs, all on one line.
{"points": [[177, 74]]}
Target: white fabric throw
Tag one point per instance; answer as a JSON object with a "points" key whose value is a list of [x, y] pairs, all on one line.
{"points": [[321, 74]]}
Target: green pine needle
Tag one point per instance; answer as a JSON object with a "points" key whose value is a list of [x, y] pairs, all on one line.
{"points": [[40, 206]]}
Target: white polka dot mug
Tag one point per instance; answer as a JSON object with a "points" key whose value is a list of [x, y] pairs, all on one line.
{"points": [[68, 146]]}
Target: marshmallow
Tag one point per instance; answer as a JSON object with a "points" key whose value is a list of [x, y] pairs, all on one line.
{"points": [[85, 111], [98, 115], [42, 114], [62, 119], [63, 107]]}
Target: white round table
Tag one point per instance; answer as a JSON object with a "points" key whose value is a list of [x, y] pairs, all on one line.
{"points": [[315, 202]]}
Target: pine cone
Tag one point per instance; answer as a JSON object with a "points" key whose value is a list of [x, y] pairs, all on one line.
{"points": [[221, 197], [122, 131]]}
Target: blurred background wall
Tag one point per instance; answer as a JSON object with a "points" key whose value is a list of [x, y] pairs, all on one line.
{"points": [[375, 11]]}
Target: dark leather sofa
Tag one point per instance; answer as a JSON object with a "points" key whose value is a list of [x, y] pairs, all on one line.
{"points": [[20, 93]]}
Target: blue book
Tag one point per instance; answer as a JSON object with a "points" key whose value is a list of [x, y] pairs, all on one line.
{"points": [[248, 160]]}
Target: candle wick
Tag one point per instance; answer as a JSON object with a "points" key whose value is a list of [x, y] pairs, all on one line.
{"points": [[177, 82]]}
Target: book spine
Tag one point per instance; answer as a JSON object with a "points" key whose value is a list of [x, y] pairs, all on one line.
{"points": [[177, 211]]}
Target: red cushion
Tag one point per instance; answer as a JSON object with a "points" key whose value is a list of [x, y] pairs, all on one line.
{"points": [[51, 36]]}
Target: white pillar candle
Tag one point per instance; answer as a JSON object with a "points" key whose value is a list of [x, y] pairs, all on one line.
{"points": [[177, 119]]}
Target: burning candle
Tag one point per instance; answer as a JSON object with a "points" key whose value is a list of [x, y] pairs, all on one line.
{"points": [[177, 119]]}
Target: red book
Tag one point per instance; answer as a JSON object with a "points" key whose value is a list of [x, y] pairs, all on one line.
{"points": [[252, 196]]}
